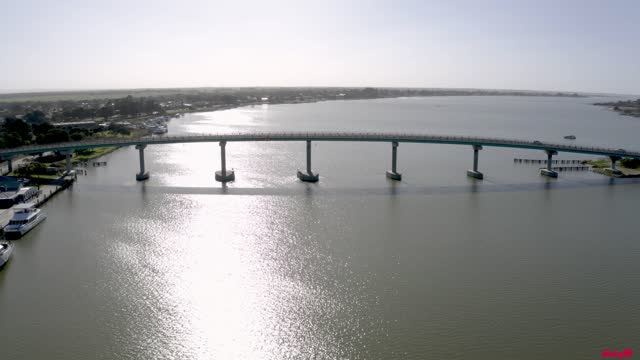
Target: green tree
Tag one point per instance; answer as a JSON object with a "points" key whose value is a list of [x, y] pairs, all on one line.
{"points": [[228, 99], [119, 129], [76, 136], [106, 111], [370, 92], [13, 140], [35, 117], [630, 163], [53, 136], [35, 168], [128, 106], [42, 128], [21, 128], [81, 131]]}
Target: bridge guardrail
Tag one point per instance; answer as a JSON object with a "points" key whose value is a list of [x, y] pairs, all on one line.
{"points": [[329, 136]]}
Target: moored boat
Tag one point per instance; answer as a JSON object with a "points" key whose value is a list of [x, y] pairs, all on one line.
{"points": [[6, 249], [159, 130], [25, 217]]}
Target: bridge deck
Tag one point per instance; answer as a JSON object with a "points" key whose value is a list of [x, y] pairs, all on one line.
{"points": [[323, 136]]}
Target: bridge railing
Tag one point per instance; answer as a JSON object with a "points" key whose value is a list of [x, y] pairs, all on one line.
{"points": [[268, 136]]}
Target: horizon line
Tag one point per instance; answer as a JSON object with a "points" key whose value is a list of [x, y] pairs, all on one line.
{"points": [[72, 90]]}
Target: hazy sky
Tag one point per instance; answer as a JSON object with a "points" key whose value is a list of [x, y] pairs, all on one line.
{"points": [[545, 45]]}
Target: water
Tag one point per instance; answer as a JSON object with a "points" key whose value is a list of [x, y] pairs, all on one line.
{"points": [[353, 267]]}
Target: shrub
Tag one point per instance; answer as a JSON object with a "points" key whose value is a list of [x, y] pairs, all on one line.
{"points": [[630, 163], [76, 136], [34, 168], [84, 152], [52, 136]]}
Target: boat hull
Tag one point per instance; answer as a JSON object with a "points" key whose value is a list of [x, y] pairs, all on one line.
{"points": [[17, 233], [6, 255]]}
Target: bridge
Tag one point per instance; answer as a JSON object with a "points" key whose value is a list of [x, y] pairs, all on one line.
{"points": [[224, 175]]}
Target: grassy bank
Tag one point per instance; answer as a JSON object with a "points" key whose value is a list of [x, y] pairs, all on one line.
{"points": [[94, 153], [81, 156], [45, 177], [599, 164], [90, 154]]}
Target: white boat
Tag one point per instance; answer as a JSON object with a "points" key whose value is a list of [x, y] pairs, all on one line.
{"points": [[25, 217], [160, 129], [5, 253]]}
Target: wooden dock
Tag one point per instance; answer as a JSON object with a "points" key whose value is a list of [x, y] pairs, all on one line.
{"points": [[46, 192], [538, 161], [5, 216]]}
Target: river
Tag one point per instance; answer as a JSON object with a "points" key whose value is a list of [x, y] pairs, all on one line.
{"points": [[353, 267]]}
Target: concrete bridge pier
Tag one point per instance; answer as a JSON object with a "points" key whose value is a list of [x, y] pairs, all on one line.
{"points": [[309, 176], [9, 164], [612, 170], [223, 175], [67, 154], [393, 174], [143, 175], [548, 171], [475, 173], [68, 162]]}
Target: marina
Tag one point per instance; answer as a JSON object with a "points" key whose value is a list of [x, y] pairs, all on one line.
{"points": [[45, 193]]}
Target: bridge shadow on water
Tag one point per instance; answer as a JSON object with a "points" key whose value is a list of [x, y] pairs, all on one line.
{"points": [[391, 190]]}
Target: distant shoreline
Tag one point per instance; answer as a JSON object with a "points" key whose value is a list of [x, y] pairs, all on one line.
{"points": [[37, 96], [237, 106], [628, 108]]}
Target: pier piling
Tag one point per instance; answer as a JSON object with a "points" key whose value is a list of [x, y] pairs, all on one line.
{"points": [[223, 175], [612, 170], [393, 174], [309, 176], [475, 173], [549, 170], [143, 175], [68, 156]]}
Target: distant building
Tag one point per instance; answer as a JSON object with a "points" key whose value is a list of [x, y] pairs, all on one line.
{"points": [[89, 125], [126, 124], [26, 193], [9, 183], [10, 198]]}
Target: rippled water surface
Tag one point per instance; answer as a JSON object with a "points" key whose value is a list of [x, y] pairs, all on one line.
{"points": [[353, 267]]}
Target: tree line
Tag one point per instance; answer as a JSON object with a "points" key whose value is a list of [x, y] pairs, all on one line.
{"points": [[127, 107], [16, 132]]}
